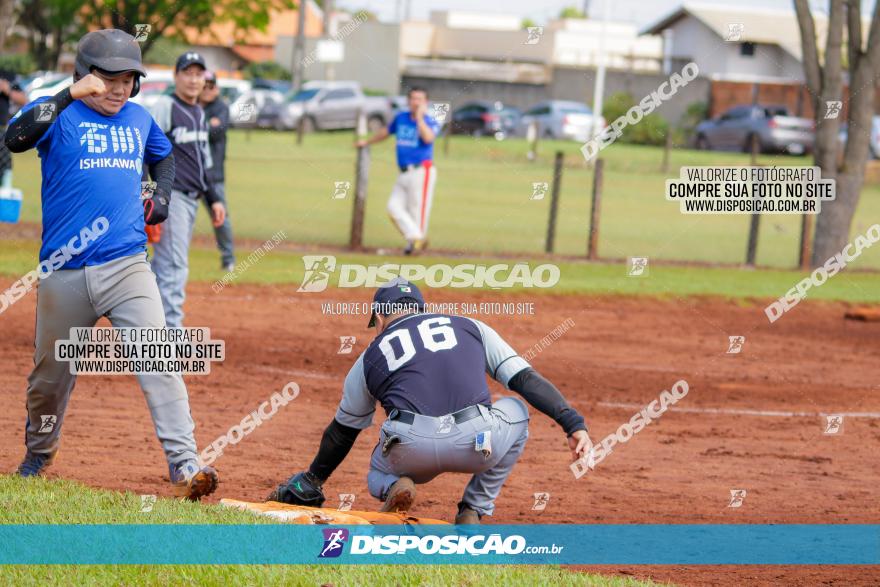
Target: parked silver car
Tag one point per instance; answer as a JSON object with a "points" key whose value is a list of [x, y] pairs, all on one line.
{"points": [[560, 119], [256, 108], [329, 105], [771, 126], [873, 139]]}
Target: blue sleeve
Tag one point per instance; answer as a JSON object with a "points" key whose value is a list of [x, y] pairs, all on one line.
{"points": [[392, 128], [158, 146]]}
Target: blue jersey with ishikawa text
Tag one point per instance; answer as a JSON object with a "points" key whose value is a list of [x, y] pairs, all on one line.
{"points": [[429, 364], [92, 166]]}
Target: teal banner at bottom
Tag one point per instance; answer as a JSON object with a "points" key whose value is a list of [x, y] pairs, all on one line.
{"points": [[642, 544]]}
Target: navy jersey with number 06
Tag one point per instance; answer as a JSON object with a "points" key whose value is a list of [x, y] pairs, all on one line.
{"points": [[430, 364]]}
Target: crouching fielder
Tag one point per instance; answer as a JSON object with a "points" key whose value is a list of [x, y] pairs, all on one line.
{"points": [[429, 373], [93, 144]]}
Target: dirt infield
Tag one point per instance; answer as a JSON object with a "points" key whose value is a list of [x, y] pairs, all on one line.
{"points": [[750, 421]]}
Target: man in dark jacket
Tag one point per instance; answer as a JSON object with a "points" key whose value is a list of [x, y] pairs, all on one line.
{"points": [[10, 94], [184, 122], [217, 113]]}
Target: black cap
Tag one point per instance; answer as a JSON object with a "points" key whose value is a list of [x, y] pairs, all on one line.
{"points": [[387, 299], [190, 58]]}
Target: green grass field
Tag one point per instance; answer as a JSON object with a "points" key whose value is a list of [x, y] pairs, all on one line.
{"points": [[37, 501], [665, 281], [482, 206], [482, 201]]}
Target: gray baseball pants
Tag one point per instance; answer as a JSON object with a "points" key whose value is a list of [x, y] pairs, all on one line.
{"points": [[171, 255], [422, 452], [124, 290], [223, 233]]}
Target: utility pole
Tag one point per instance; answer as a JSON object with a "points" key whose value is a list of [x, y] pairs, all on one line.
{"points": [[299, 46], [599, 87], [329, 33]]}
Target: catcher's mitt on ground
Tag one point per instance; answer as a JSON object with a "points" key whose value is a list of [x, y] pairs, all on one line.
{"points": [[301, 489]]}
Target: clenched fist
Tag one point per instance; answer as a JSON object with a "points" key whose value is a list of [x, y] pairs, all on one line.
{"points": [[90, 85]]}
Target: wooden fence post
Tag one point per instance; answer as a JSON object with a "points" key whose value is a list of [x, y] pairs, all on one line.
{"points": [[806, 238], [362, 172], [554, 201], [595, 210]]}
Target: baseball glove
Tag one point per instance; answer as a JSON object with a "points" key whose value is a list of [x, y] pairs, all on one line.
{"points": [[156, 209], [301, 489]]}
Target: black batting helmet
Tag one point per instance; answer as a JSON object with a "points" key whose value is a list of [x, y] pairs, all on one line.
{"points": [[111, 51]]}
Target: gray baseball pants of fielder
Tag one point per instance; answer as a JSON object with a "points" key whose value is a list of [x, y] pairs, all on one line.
{"points": [[125, 291], [223, 233], [171, 255], [422, 452]]}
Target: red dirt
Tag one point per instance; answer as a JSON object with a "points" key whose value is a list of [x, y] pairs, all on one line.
{"points": [[679, 470]]}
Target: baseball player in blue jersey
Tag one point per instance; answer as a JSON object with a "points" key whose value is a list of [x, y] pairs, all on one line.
{"points": [[94, 144], [413, 193], [428, 371]]}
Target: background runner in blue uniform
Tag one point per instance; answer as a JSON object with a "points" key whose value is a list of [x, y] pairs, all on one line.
{"points": [[413, 193]]}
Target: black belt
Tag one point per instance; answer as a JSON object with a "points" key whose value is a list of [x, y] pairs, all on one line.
{"points": [[461, 416], [410, 167]]}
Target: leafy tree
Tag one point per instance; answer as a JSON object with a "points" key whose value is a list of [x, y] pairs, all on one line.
{"points": [[48, 26], [7, 12], [165, 16], [52, 25], [21, 63], [825, 81], [164, 51], [571, 12], [527, 22], [266, 70], [651, 129]]}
